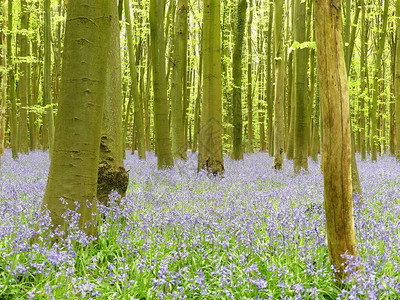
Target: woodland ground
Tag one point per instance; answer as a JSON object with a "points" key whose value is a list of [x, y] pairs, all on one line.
{"points": [[253, 233]]}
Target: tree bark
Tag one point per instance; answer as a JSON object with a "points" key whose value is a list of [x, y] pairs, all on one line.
{"points": [[210, 137], [336, 131], [178, 83], [75, 158], [279, 58], [161, 118], [111, 172], [237, 150], [377, 70], [48, 121], [300, 125], [137, 100], [397, 81], [11, 84]]}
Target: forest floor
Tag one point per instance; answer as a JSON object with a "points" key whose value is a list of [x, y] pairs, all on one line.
{"points": [[253, 233]]}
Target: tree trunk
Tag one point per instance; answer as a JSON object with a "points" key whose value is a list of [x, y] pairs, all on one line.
{"points": [[210, 137], [300, 125], [48, 122], [269, 83], [377, 70], [279, 134], [178, 83], [3, 77], [138, 103], [363, 79], [11, 84], [397, 81], [23, 143], [336, 130], [111, 172], [75, 158], [161, 119], [250, 134], [237, 151]]}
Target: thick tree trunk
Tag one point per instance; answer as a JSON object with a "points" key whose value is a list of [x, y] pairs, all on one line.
{"points": [[300, 125], [75, 158], [210, 137], [161, 118], [237, 151], [336, 130], [279, 134], [111, 172], [178, 83]]}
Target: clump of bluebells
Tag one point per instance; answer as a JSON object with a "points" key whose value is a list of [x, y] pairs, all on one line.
{"points": [[252, 233]]}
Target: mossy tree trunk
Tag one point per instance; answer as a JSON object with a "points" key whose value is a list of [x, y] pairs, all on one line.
{"points": [[161, 111], [237, 121], [336, 131], [279, 58], [137, 100], [301, 127], [111, 172], [210, 137], [75, 156], [178, 82]]}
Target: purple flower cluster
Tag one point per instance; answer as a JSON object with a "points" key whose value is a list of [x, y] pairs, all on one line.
{"points": [[253, 233]]}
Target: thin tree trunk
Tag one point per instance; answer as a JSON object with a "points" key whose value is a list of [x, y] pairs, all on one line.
{"points": [[138, 103], [48, 122], [397, 81], [377, 70], [23, 143], [250, 134], [11, 84], [279, 134], [3, 77]]}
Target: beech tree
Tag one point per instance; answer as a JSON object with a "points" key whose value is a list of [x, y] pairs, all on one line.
{"points": [[75, 158], [161, 120], [111, 171], [237, 139], [210, 136], [178, 83], [338, 198], [279, 134]]}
